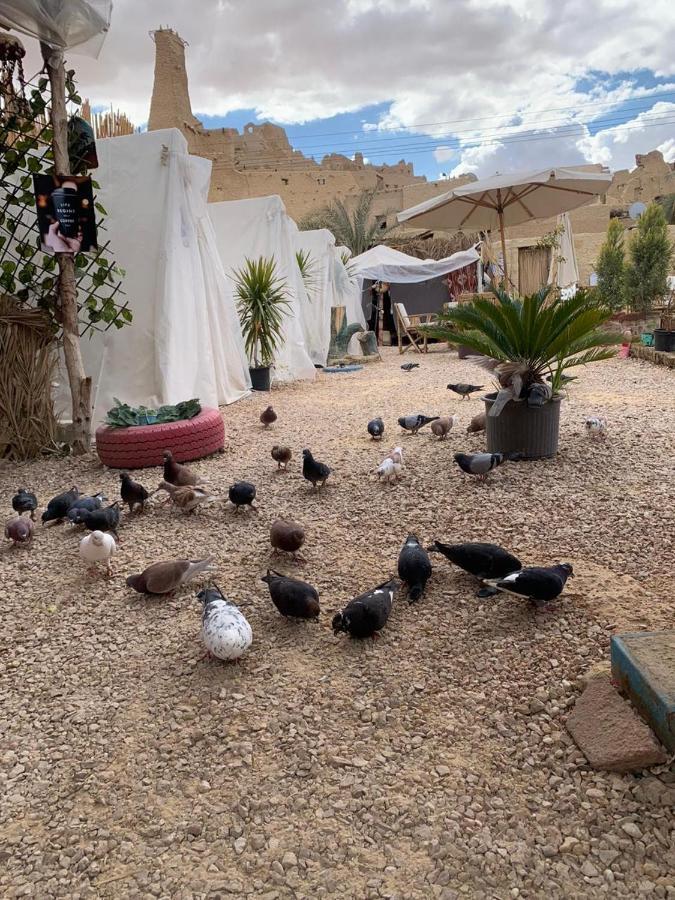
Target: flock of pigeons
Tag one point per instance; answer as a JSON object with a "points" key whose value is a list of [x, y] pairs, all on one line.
{"points": [[225, 631]]}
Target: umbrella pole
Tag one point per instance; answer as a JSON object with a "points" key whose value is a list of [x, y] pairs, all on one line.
{"points": [[500, 213]]}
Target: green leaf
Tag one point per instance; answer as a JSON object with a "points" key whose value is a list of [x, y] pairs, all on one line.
{"points": [[101, 208]]}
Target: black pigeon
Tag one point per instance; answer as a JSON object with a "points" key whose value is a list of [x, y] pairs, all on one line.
{"points": [[242, 493], [314, 471], [465, 390], [537, 583], [479, 464], [408, 367], [84, 505], [366, 614], [103, 519], [481, 560], [292, 597], [132, 493], [414, 567], [376, 429], [23, 501], [58, 506], [415, 421]]}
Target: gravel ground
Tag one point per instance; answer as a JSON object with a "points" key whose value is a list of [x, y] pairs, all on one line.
{"points": [[433, 762]]}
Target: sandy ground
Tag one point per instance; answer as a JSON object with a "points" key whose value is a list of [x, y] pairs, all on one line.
{"points": [[431, 763]]}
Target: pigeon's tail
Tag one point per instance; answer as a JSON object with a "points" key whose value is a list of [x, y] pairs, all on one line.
{"points": [[516, 456]]}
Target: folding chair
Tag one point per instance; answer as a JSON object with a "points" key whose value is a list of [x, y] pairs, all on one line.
{"points": [[410, 327]]}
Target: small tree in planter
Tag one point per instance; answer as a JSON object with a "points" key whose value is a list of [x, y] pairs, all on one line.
{"points": [[611, 268], [528, 344], [650, 253], [262, 301]]}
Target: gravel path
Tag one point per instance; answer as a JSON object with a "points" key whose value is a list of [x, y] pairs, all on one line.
{"points": [[431, 763]]}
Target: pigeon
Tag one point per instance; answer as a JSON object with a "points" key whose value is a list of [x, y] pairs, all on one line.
{"points": [[596, 427], [23, 501], [166, 577], [388, 470], [242, 493], [481, 560], [281, 455], [225, 630], [465, 390], [267, 416], [442, 426], [564, 379], [538, 394], [314, 471], [292, 597], [376, 429], [287, 536], [132, 493], [414, 567], [538, 584], [479, 464], [396, 456], [188, 498], [178, 474], [476, 424], [415, 421], [19, 530], [408, 367], [366, 614], [84, 505], [102, 519], [98, 547], [58, 506]]}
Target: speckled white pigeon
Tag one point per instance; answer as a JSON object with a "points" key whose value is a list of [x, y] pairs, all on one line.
{"points": [[225, 631], [98, 547]]}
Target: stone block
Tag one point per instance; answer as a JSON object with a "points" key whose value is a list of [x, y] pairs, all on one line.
{"points": [[610, 733]]}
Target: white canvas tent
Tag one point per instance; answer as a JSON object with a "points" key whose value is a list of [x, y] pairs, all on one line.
{"points": [[261, 227], [185, 340], [382, 263], [319, 244]]}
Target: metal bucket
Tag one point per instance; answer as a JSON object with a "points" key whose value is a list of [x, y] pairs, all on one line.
{"points": [[530, 430]]}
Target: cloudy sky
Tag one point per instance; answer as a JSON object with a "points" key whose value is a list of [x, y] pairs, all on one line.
{"points": [[451, 85]]}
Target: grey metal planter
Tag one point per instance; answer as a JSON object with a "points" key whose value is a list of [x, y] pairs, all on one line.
{"points": [[532, 431]]}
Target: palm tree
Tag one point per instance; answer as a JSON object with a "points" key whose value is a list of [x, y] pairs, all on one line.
{"points": [[352, 225]]}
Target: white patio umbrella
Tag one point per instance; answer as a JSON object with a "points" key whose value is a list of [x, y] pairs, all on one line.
{"points": [[506, 200]]}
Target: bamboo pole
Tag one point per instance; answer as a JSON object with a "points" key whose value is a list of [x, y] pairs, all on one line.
{"points": [[80, 385]]}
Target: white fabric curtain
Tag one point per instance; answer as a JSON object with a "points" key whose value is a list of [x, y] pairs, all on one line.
{"points": [[383, 263], [319, 244]]}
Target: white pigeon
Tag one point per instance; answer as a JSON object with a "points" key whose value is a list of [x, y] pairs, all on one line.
{"points": [[225, 631], [596, 427], [397, 456], [98, 547], [388, 470]]}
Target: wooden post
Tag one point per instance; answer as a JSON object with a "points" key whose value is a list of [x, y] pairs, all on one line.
{"points": [[80, 385]]}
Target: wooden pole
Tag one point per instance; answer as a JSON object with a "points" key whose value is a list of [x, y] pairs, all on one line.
{"points": [[80, 385], [500, 213]]}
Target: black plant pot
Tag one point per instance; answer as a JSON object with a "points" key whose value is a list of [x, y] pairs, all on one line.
{"points": [[664, 340], [530, 430], [260, 378]]}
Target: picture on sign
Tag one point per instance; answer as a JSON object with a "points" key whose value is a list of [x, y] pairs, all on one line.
{"points": [[65, 213]]}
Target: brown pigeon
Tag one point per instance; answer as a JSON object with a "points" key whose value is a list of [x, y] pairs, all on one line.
{"points": [[476, 424], [165, 577], [281, 455], [267, 416], [132, 492], [287, 536], [178, 474], [442, 426], [19, 530], [186, 498]]}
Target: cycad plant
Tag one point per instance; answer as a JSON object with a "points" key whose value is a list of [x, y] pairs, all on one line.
{"points": [[262, 302], [532, 340], [307, 266]]}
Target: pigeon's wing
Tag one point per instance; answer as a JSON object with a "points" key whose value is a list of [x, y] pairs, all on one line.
{"points": [[163, 577], [529, 582]]}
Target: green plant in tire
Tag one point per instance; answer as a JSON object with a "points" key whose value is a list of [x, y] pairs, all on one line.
{"points": [[530, 340], [262, 302]]}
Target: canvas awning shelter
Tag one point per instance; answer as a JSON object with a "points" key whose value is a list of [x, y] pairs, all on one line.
{"points": [[383, 263], [185, 340]]}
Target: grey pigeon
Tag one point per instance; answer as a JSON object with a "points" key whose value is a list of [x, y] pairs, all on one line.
{"points": [[538, 394], [414, 567], [58, 506], [225, 630], [82, 506], [366, 614], [165, 577], [408, 367], [376, 429], [465, 390], [479, 464], [314, 471], [292, 597], [102, 519], [564, 379], [415, 421], [24, 501], [538, 584]]}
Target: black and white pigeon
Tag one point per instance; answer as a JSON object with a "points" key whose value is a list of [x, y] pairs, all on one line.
{"points": [[481, 560], [465, 390], [292, 597], [415, 421], [376, 429], [479, 464], [24, 501], [538, 394], [366, 614], [408, 367], [104, 520], [414, 567], [538, 584], [84, 505], [313, 470], [242, 493], [225, 630], [58, 506]]}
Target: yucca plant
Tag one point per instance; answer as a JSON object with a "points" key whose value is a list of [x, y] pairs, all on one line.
{"points": [[307, 266], [262, 301], [532, 340]]}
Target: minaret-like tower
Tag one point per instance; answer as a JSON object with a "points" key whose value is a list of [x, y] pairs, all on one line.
{"points": [[170, 105]]}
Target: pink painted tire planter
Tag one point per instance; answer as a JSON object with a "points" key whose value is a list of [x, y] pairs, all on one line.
{"points": [[143, 445]]}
